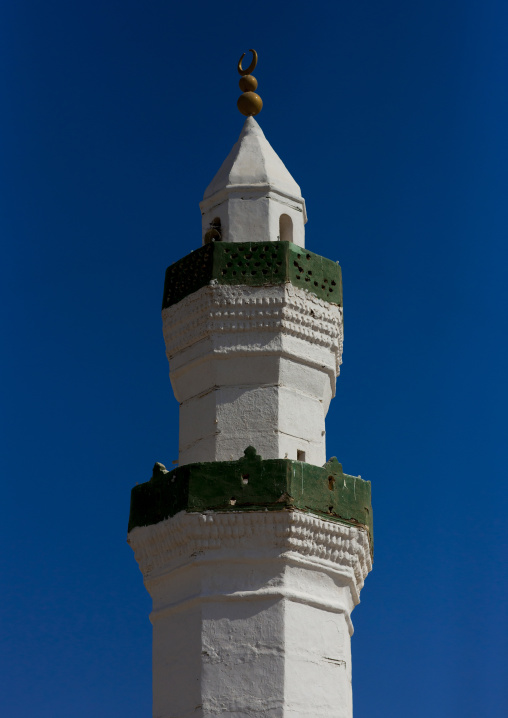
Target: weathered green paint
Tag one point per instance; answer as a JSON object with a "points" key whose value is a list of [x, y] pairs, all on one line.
{"points": [[255, 264], [253, 484]]}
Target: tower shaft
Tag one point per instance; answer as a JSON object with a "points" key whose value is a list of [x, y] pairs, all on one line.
{"points": [[255, 548]]}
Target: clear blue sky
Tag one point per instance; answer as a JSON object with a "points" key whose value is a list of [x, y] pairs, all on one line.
{"points": [[393, 118]]}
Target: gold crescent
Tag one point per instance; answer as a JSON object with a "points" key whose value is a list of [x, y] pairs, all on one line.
{"points": [[251, 66]]}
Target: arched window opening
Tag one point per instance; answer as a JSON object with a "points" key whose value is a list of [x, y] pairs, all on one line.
{"points": [[285, 228], [214, 234]]}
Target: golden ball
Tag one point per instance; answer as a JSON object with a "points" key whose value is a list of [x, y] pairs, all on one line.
{"points": [[248, 83], [249, 104]]}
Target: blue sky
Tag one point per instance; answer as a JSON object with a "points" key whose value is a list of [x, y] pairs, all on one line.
{"points": [[392, 117]]}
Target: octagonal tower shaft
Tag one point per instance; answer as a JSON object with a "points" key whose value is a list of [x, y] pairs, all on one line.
{"points": [[255, 548], [255, 350]]}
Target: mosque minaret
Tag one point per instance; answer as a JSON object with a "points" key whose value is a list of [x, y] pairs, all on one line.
{"points": [[255, 548]]}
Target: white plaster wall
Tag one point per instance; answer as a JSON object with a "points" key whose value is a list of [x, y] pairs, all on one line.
{"points": [[253, 366], [251, 613], [220, 424], [176, 674], [252, 215], [296, 210], [317, 678], [301, 426], [243, 657]]}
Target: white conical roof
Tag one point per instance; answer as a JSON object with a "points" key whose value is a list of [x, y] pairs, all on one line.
{"points": [[253, 161]]}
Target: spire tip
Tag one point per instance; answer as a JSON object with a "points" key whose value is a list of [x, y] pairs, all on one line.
{"points": [[249, 103]]}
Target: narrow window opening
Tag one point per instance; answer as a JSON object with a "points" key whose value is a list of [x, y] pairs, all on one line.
{"points": [[285, 228], [300, 455], [214, 234]]}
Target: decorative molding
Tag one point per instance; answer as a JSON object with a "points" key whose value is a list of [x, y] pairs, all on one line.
{"points": [[253, 191], [290, 534], [253, 484], [236, 310]]}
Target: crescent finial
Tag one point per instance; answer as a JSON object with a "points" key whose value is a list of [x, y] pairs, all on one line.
{"points": [[251, 66], [249, 103]]}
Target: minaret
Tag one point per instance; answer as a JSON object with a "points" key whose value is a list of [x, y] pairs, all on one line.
{"points": [[255, 548]]}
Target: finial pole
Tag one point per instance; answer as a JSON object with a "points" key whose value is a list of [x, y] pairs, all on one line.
{"points": [[249, 103]]}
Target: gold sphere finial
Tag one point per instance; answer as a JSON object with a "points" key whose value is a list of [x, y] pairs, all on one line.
{"points": [[249, 103]]}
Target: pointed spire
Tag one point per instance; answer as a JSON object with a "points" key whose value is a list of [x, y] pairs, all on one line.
{"points": [[253, 161], [253, 197]]}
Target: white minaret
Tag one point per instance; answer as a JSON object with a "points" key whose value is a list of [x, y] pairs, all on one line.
{"points": [[254, 549]]}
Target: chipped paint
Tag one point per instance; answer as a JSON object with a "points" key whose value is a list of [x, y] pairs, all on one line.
{"points": [[273, 485]]}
